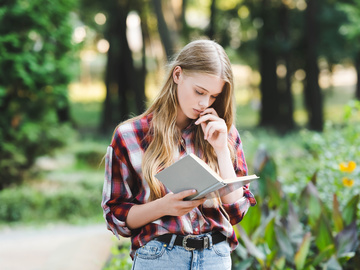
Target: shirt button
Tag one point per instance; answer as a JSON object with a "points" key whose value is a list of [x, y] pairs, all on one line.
{"points": [[196, 229]]}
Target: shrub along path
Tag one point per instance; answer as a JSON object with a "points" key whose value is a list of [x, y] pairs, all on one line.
{"points": [[55, 247]]}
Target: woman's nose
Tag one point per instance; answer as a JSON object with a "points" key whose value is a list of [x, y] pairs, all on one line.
{"points": [[203, 103]]}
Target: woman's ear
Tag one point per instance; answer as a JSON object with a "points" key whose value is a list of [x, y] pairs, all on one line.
{"points": [[177, 73]]}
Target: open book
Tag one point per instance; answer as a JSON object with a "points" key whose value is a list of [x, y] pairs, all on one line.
{"points": [[191, 172]]}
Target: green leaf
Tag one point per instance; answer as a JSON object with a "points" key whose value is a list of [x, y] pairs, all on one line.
{"points": [[275, 192], [259, 231], [284, 242], [323, 235], [323, 255], [302, 253], [279, 264], [314, 204], [250, 246], [332, 264], [270, 236], [244, 265], [336, 214], [346, 240], [346, 257], [350, 210], [252, 220], [241, 251]]}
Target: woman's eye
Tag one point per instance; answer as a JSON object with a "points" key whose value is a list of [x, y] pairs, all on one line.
{"points": [[199, 93]]}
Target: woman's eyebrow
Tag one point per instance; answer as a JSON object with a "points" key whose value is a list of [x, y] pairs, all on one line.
{"points": [[216, 94], [201, 87]]}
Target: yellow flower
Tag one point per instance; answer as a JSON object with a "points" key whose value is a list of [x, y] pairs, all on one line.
{"points": [[350, 167], [347, 182]]}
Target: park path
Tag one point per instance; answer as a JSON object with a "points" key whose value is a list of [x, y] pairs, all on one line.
{"points": [[55, 247]]}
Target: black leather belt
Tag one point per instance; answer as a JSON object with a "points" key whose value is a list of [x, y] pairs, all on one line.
{"points": [[192, 242]]}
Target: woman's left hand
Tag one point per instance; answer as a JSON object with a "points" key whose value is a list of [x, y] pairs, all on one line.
{"points": [[214, 128]]}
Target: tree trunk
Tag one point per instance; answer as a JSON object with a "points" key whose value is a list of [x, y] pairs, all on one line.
{"points": [[109, 115], [185, 28], [123, 82], [140, 89], [211, 30], [63, 112], [313, 97], [163, 29], [268, 86], [107, 109], [287, 105], [357, 66], [126, 77]]}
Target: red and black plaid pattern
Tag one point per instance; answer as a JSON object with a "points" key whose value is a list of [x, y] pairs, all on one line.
{"points": [[125, 186]]}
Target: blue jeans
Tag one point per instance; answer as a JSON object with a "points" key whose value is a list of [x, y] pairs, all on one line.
{"points": [[157, 255]]}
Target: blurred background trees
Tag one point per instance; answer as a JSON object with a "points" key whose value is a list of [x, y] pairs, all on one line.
{"points": [[285, 41]]}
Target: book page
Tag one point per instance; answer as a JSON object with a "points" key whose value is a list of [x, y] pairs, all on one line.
{"points": [[242, 179]]}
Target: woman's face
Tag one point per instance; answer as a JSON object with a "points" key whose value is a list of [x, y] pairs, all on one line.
{"points": [[195, 93]]}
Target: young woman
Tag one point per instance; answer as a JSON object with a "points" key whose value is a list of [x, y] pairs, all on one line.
{"points": [[193, 113]]}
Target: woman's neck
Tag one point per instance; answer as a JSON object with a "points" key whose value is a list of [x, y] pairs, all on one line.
{"points": [[182, 121]]}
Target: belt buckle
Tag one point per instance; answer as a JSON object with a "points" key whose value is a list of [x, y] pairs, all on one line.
{"points": [[184, 242]]}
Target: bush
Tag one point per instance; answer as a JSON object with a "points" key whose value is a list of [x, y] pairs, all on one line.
{"points": [[36, 67], [69, 203], [308, 202]]}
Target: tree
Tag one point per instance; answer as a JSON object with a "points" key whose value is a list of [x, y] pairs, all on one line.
{"points": [[125, 75], [37, 64], [274, 46], [163, 29], [351, 30], [313, 97], [269, 115]]}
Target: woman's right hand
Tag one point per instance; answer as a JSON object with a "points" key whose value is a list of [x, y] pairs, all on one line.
{"points": [[170, 205], [174, 205]]}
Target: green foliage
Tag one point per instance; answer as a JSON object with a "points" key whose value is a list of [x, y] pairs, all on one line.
{"points": [[68, 203], [36, 63], [120, 258], [90, 157], [351, 29], [60, 187], [316, 225]]}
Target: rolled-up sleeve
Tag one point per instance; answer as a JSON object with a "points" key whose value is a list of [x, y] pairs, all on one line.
{"points": [[116, 195], [237, 210]]}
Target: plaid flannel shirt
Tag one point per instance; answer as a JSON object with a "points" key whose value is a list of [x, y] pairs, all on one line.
{"points": [[125, 186]]}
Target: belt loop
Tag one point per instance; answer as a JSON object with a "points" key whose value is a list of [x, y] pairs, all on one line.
{"points": [[209, 237], [172, 241]]}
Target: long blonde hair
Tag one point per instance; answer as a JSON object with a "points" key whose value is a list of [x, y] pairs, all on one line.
{"points": [[200, 56]]}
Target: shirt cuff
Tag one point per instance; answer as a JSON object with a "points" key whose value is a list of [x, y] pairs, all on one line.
{"points": [[238, 209], [116, 220]]}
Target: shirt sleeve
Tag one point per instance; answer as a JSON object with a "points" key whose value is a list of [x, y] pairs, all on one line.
{"points": [[237, 210], [116, 198]]}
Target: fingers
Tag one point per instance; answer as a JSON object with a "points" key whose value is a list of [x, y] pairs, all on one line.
{"points": [[209, 111], [208, 117], [183, 194], [212, 127], [176, 206]]}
